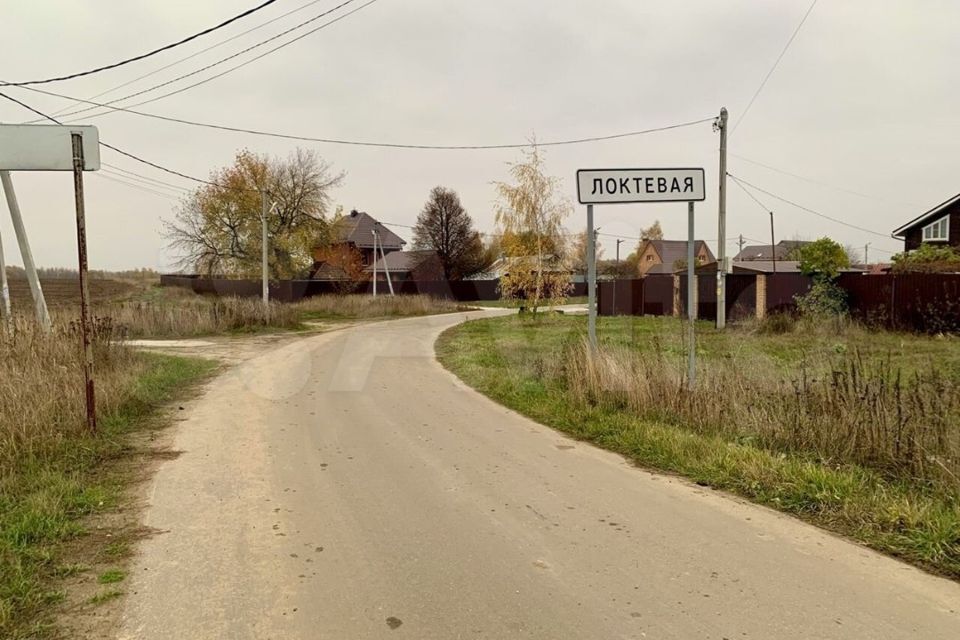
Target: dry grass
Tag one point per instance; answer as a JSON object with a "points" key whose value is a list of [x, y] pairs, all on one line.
{"points": [[178, 313], [850, 409], [41, 387]]}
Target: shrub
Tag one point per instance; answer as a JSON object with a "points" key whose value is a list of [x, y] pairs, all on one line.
{"points": [[825, 298], [929, 258]]}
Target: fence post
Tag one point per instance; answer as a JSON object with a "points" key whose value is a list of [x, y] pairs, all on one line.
{"points": [[761, 296]]}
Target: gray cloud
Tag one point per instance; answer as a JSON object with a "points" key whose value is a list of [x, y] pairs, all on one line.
{"points": [[863, 100]]}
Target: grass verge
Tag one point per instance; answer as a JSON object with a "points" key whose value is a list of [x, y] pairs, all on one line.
{"points": [[524, 365], [48, 487]]}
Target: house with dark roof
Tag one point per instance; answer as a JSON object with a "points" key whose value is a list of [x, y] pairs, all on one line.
{"points": [[407, 265], [940, 225], [664, 256], [783, 250], [353, 242]]}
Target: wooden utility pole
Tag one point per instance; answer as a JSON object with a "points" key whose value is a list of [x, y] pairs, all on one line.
{"points": [[265, 265], [85, 322]]}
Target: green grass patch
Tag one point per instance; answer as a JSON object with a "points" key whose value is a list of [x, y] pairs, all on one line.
{"points": [[45, 496], [520, 364], [112, 576]]}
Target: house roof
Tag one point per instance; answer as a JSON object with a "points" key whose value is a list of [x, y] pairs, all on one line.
{"points": [[899, 233], [766, 266], [671, 251], [765, 252], [403, 261], [329, 272], [358, 226]]}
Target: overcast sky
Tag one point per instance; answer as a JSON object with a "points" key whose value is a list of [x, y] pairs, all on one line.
{"points": [[865, 100]]}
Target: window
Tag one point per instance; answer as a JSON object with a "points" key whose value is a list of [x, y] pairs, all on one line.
{"points": [[649, 258], [937, 231]]}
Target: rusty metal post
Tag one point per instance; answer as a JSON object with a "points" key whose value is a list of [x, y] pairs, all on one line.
{"points": [[85, 321]]}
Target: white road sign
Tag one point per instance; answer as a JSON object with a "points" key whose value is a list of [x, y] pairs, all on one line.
{"points": [[619, 186], [42, 147]]}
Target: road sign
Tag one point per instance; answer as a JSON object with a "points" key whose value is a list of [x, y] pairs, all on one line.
{"points": [[621, 186], [43, 147]]}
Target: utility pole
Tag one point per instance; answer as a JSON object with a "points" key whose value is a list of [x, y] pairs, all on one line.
{"points": [[773, 247], [43, 316], [85, 323], [265, 267], [866, 254], [740, 243], [386, 269], [722, 225], [616, 276], [374, 232]]}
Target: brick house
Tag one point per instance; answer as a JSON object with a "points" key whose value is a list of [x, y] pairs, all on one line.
{"points": [[939, 225], [663, 256], [353, 241]]}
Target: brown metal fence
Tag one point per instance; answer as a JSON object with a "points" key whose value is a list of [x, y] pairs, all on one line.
{"points": [[293, 290], [912, 301]]}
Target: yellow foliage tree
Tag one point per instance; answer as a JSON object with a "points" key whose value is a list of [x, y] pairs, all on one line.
{"points": [[529, 213]]}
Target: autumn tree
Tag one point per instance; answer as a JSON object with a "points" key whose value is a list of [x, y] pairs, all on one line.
{"points": [[529, 213], [653, 232], [217, 229], [445, 227], [578, 253]]}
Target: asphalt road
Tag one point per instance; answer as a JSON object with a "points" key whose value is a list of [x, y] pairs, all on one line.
{"points": [[347, 486]]}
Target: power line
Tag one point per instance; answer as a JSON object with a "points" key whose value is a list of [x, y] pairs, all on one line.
{"points": [[387, 145], [197, 53], [807, 209], [228, 58], [144, 55], [774, 67], [765, 208], [134, 174], [810, 180], [112, 178], [109, 146]]}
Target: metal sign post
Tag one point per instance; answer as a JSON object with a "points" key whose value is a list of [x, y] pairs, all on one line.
{"points": [[691, 300], [623, 186], [77, 139], [55, 148]]}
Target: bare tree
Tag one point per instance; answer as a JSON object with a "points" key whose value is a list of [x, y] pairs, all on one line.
{"points": [[217, 228], [445, 227]]}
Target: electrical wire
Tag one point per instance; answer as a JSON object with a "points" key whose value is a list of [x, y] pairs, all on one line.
{"points": [[112, 178], [774, 67], [197, 53], [810, 180], [133, 175], [110, 146], [807, 209], [387, 145], [226, 59], [143, 56]]}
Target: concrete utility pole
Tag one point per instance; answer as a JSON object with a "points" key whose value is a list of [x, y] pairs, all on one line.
{"points": [[722, 224], [43, 316], [866, 254], [773, 247], [265, 266], [591, 279], [386, 269], [740, 243], [374, 232]]}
